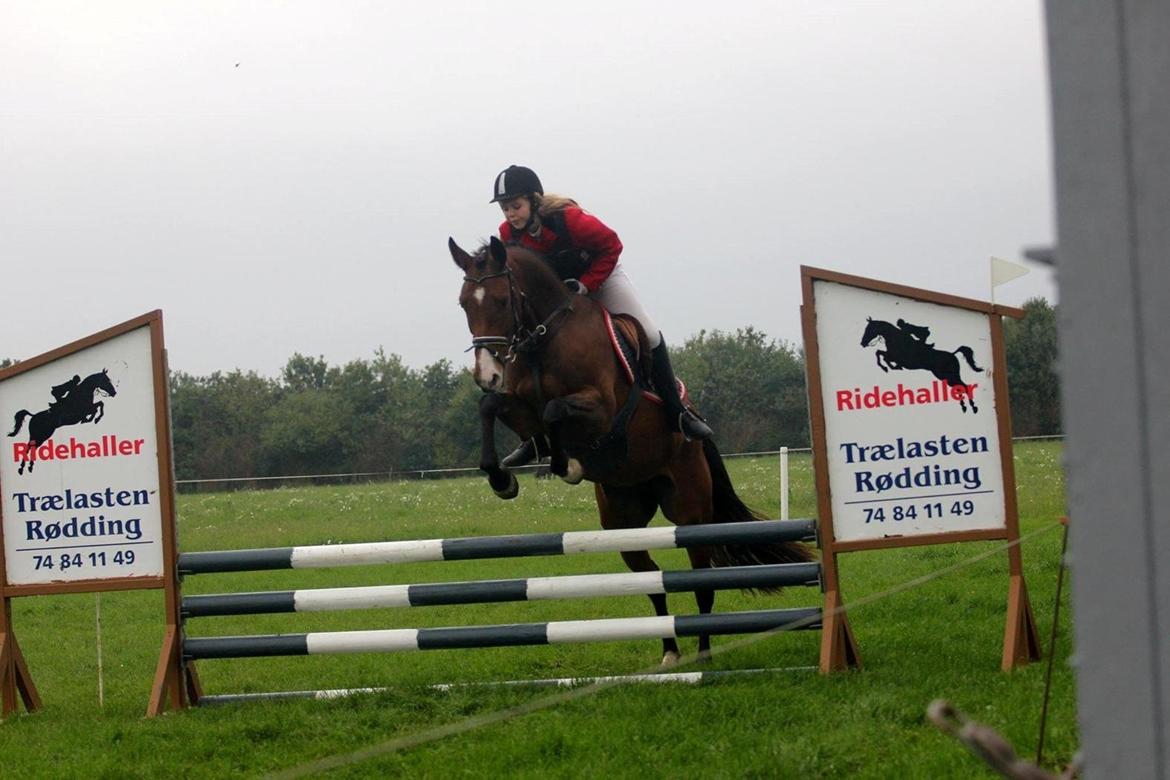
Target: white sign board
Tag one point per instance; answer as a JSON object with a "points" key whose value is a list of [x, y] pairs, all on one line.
{"points": [[80, 474], [911, 432]]}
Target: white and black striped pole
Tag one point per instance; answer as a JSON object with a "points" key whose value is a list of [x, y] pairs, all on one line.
{"points": [[463, 637], [488, 591], [568, 543]]}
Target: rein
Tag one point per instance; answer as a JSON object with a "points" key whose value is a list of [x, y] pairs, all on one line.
{"points": [[533, 342]]}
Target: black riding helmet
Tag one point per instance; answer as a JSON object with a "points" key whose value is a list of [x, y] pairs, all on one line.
{"points": [[514, 181]]}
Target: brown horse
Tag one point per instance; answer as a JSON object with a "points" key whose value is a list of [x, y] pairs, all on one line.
{"points": [[544, 358]]}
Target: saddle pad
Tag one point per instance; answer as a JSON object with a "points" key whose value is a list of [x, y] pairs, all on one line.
{"points": [[623, 337]]}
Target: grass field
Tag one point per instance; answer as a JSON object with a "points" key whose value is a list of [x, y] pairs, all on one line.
{"points": [[940, 639]]}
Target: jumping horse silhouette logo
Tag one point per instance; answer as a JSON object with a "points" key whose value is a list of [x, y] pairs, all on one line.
{"points": [[907, 348], [72, 404]]}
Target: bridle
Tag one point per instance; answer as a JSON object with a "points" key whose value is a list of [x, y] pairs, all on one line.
{"points": [[523, 339], [493, 343]]}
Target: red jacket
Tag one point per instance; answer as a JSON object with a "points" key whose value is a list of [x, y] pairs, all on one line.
{"points": [[585, 232]]}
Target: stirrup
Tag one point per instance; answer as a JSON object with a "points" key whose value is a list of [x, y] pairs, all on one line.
{"points": [[692, 427], [521, 456]]}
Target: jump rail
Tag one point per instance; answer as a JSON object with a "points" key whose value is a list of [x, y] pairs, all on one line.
{"points": [[486, 591], [529, 589], [568, 543], [559, 632], [658, 678]]}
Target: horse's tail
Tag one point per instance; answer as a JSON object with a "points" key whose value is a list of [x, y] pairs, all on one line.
{"points": [[967, 353], [729, 508], [20, 420]]}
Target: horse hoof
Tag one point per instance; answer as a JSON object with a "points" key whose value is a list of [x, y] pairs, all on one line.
{"points": [[511, 491], [704, 656], [669, 659], [574, 473]]}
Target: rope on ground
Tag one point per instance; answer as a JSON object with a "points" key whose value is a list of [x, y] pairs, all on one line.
{"points": [[474, 722], [1052, 642], [989, 746]]}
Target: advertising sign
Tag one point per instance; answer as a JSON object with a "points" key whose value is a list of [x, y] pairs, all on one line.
{"points": [[911, 433], [84, 496], [909, 403], [87, 487]]}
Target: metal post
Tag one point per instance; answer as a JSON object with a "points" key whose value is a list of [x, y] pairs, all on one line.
{"points": [[1110, 67], [783, 483]]}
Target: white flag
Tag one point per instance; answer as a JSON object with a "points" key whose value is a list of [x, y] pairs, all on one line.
{"points": [[1003, 272]]}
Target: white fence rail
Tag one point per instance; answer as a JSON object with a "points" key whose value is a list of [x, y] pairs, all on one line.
{"points": [[230, 483]]}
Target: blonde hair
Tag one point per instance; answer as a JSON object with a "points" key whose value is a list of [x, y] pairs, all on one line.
{"points": [[548, 203]]}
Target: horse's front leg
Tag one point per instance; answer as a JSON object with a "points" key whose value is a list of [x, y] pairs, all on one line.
{"points": [[99, 411], [558, 461], [577, 419], [502, 481]]}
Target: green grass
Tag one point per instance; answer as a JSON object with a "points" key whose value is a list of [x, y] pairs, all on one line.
{"points": [[942, 639]]}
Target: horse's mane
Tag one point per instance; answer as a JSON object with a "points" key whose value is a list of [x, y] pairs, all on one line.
{"points": [[532, 270]]}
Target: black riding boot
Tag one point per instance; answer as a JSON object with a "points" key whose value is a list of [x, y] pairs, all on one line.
{"points": [[684, 419], [527, 452]]}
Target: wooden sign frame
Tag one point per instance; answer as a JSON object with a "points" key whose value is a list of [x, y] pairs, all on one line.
{"points": [[16, 684], [838, 646]]}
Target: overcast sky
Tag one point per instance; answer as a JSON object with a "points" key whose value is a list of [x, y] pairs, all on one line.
{"points": [[282, 177]]}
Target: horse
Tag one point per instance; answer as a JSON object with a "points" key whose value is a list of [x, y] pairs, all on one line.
{"points": [[546, 364], [903, 351], [77, 407]]}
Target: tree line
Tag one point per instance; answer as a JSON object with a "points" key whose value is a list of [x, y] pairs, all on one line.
{"points": [[380, 415]]}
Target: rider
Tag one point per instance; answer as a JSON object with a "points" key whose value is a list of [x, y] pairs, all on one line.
{"points": [[585, 253], [917, 333], [65, 388]]}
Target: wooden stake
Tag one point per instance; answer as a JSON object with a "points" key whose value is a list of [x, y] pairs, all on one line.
{"points": [[1021, 640], [838, 647], [14, 676], [169, 690]]}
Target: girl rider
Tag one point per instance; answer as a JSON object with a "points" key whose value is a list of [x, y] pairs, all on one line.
{"points": [[584, 252]]}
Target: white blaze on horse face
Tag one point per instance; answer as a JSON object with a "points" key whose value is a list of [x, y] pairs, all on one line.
{"points": [[489, 370], [478, 295]]}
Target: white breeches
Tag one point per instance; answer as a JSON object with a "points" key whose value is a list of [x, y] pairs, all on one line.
{"points": [[618, 295]]}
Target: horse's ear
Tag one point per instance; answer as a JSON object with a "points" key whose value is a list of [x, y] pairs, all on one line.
{"points": [[499, 251], [461, 258]]}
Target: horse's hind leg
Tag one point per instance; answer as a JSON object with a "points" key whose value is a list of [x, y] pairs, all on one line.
{"points": [[640, 560], [957, 387], [705, 599], [686, 499], [633, 508]]}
